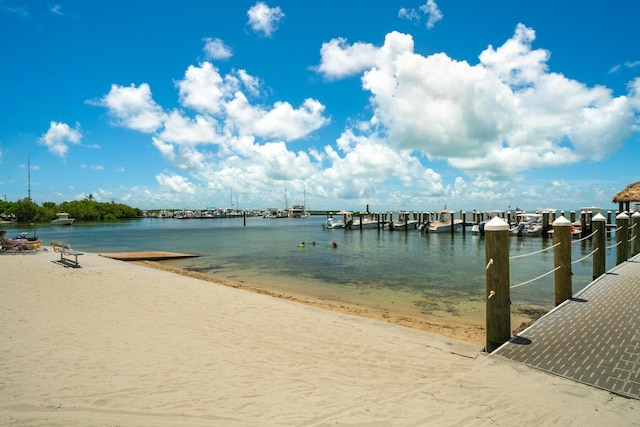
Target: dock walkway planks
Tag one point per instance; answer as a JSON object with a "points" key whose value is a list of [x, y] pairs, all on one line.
{"points": [[593, 338]]}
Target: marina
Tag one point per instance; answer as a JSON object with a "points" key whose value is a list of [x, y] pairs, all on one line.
{"points": [[427, 275]]}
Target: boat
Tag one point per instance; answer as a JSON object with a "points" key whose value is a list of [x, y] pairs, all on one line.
{"points": [[62, 218], [364, 222], [273, 213], [404, 222], [512, 215], [442, 223], [297, 211], [331, 222], [478, 229], [401, 224], [576, 232], [529, 225]]}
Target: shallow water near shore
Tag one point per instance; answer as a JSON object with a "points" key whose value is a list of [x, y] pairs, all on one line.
{"points": [[436, 275]]}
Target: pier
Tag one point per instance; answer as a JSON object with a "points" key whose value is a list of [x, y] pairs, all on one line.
{"points": [[592, 338]]}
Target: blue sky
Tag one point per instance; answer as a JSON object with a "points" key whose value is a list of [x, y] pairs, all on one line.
{"points": [[393, 104]]}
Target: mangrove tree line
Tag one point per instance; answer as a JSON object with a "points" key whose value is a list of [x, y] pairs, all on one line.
{"points": [[88, 209]]}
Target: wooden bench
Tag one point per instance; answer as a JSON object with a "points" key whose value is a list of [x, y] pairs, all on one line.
{"points": [[65, 252]]}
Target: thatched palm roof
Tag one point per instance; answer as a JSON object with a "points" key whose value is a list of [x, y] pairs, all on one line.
{"points": [[630, 194]]}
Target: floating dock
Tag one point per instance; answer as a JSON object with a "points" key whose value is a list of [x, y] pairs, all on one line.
{"points": [[146, 255]]}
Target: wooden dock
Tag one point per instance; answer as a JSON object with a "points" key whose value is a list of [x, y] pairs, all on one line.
{"points": [[146, 256], [592, 338]]}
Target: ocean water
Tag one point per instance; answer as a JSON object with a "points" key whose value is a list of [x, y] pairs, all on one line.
{"points": [[441, 275]]}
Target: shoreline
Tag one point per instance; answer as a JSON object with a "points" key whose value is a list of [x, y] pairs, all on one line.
{"points": [[117, 343], [457, 329]]}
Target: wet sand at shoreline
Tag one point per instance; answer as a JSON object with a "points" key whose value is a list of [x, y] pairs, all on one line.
{"points": [[462, 327]]}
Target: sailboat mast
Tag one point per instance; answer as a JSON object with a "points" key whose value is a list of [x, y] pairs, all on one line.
{"points": [[29, 177]]}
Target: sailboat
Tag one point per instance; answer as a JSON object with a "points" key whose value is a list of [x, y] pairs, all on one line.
{"points": [[297, 211]]}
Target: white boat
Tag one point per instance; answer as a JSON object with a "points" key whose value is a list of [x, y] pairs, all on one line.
{"points": [[442, 224], [401, 224], [343, 217], [529, 225], [478, 229], [332, 223], [297, 211], [62, 219], [364, 222], [273, 213]]}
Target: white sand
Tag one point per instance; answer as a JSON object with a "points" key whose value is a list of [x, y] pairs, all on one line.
{"points": [[114, 343]]}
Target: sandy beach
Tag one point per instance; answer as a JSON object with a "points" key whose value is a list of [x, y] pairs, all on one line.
{"points": [[121, 344]]}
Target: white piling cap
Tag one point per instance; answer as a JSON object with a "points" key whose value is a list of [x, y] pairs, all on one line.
{"points": [[561, 222], [622, 215], [496, 224], [598, 217], [636, 214]]}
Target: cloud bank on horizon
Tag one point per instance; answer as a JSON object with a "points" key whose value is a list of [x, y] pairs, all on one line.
{"points": [[489, 121]]}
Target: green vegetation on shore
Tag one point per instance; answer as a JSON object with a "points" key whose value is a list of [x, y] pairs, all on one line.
{"points": [[25, 210]]}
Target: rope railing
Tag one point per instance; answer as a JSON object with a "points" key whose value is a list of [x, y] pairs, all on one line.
{"points": [[533, 253], [585, 238], [585, 257], [613, 246], [500, 269], [489, 264], [534, 279]]}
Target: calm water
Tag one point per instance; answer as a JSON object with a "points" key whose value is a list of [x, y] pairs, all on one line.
{"points": [[433, 274]]}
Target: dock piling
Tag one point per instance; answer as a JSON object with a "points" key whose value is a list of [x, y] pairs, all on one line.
{"points": [[599, 242], [635, 233], [545, 224], [562, 259], [622, 238], [498, 308], [464, 222]]}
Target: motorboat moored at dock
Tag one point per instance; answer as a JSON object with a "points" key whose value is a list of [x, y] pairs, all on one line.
{"points": [[529, 225], [444, 222]]}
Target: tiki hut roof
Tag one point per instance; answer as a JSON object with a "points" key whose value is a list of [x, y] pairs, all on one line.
{"points": [[630, 194]]}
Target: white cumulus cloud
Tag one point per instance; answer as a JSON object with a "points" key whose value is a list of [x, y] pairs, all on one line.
{"points": [[430, 8], [216, 49], [264, 19], [134, 107], [175, 183], [59, 136], [338, 59], [502, 115]]}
